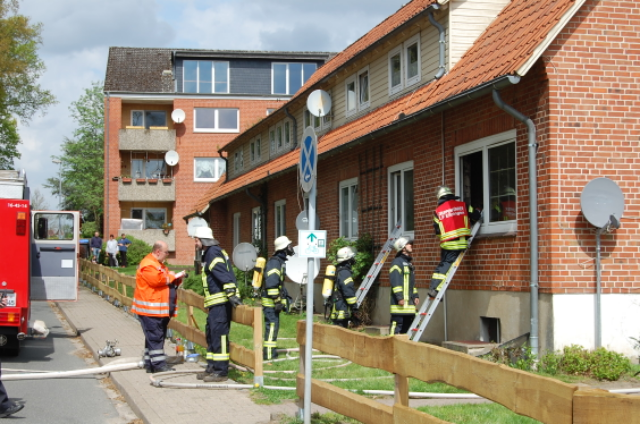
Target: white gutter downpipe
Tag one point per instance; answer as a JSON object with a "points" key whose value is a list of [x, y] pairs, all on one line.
{"points": [[441, 41], [533, 213]]}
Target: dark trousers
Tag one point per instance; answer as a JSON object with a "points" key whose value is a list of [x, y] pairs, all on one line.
{"points": [[123, 258], [271, 327], [401, 323], [447, 258], [217, 330], [112, 259], [155, 331], [5, 403]]}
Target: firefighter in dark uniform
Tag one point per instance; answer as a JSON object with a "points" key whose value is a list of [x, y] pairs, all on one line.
{"points": [[344, 291], [273, 296], [451, 221], [404, 295], [220, 294]]}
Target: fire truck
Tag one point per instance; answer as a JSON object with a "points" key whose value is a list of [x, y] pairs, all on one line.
{"points": [[38, 260]]}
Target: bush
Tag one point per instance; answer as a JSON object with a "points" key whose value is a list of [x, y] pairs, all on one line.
{"points": [[550, 363], [600, 364], [137, 251], [364, 255], [88, 229], [575, 360], [607, 365], [194, 282]]}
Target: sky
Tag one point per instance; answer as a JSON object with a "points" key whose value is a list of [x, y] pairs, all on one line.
{"points": [[77, 34]]}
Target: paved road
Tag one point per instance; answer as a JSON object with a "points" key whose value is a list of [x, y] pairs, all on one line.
{"points": [[82, 400]]}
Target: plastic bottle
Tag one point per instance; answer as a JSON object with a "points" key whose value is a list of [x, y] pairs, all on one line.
{"points": [[179, 347]]}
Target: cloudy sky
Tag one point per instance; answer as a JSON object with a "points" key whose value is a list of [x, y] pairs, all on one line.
{"points": [[78, 33]]}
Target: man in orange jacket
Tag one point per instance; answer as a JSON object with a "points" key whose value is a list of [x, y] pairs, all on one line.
{"points": [[154, 302]]}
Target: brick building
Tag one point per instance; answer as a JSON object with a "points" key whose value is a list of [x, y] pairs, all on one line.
{"points": [[191, 102], [489, 98]]}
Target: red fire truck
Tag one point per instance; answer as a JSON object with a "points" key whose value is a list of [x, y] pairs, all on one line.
{"points": [[38, 258]]}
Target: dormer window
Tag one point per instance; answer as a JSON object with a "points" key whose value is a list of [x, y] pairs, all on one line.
{"points": [[287, 78], [206, 76], [404, 65], [357, 92]]}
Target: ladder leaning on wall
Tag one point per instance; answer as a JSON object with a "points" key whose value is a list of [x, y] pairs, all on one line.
{"points": [[428, 308]]}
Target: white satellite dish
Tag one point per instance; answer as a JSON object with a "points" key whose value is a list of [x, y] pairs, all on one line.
{"points": [[302, 221], [244, 256], [194, 223], [319, 103], [297, 267], [178, 116], [602, 203], [171, 157]]}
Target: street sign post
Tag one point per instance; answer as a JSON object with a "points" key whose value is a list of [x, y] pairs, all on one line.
{"points": [[312, 243]]}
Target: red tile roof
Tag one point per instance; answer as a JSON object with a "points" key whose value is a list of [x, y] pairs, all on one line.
{"points": [[501, 50]]}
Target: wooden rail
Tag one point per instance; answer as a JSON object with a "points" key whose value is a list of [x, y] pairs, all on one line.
{"points": [[114, 285], [544, 399]]}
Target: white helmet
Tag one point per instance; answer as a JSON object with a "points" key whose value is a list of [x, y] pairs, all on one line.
{"points": [[509, 191], [443, 191], [401, 243], [203, 233], [281, 243], [344, 254]]}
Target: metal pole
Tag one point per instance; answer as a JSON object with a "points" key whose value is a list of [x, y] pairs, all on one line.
{"points": [[309, 330], [598, 291]]}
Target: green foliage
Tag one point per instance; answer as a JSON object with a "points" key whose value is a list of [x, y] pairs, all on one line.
{"points": [[483, 413], [82, 157], [10, 140], [137, 250], [194, 282], [600, 364], [89, 228], [516, 357], [364, 255]]}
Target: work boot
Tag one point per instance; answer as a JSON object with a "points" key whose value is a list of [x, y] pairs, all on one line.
{"points": [[202, 375], [214, 378], [11, 410], [173, 360], [432, 293]]}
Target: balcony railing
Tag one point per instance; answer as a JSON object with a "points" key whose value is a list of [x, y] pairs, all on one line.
{"points": [[143, 190], [151, 236], [151, 140]]}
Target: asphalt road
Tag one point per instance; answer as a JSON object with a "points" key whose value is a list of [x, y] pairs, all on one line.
{"points": [[83, 400]]}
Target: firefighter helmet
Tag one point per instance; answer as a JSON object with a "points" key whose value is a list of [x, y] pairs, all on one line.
{"points": [[509, 191], [203, 233], [344, 254], [443, 191], [401, 243], [281, 243]]}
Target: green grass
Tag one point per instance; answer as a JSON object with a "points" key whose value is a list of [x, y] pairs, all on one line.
{"points": [[483, 413]]}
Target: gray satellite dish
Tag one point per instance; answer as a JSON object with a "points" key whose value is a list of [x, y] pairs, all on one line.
{"points": [[297, 267], [602, 203], [171, 157], [319, 103], [194, 223], [244, 256], [302, 221], [178, 116]]}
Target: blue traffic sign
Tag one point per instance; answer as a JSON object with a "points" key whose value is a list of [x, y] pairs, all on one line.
{"points": [[308, 159]]}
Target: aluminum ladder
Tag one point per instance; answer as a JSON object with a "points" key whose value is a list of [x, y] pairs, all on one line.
{"points": [[378, 264], [428, 308]]}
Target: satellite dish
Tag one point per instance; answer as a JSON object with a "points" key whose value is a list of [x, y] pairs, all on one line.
{"points": [[178, 116], [319, 103], [297, 267], [194, 223], [602, 203], [302, 222], [171, 157], [244, 256]]}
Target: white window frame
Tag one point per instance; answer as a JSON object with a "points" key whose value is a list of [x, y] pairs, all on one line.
{"points": [[364, 105], [256, 222], [280, 217], [213, 76], [255, 149], [238, 160], [484, 144], [311, 120], [393, 214], [355, 79], [401, 50], [347, 82], [346, 232], [236, 228], [216, 128], [144, 118], [144, 215], [396, 88], [217, 171], [287, 75]]}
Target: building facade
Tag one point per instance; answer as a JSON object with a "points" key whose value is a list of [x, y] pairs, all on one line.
{"points": [[517, 107], [189, 103]]}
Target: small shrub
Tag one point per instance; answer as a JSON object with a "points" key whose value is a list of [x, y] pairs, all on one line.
{"points": [[137, 251], [550, 363], [193, 282], [607, 365], [575, 360], [89, 229]]}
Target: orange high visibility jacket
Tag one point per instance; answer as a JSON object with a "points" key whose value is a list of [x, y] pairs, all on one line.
{"points": [[151, 297]]}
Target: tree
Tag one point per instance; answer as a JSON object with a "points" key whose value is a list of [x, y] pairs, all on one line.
{"points": [[20, 68], [82, 157], [38, 202]]}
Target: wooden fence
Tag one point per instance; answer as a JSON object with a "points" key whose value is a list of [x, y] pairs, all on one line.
{"points": [[114, 285], [544, 399]]}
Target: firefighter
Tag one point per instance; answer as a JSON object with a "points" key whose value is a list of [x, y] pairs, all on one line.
{"points": [[220, 294], [274, 298], [344, 291], [451, 222], [404, 295], [505, 209]]}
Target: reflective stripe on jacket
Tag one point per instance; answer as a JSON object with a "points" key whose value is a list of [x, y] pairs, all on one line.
{"points": [[275, 271], [452, 218], [217, 277], [403, 287], [151, 296]]}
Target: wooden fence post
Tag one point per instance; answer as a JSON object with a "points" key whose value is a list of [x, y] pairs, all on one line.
{"points": [[258, 373]]}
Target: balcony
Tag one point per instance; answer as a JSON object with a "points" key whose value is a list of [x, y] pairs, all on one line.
{"points": [[149, 140], [151, 236], [142, 190]]}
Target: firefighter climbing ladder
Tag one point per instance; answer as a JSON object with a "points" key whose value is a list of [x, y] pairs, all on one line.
{"points": [[429, 307], [378, 264]]}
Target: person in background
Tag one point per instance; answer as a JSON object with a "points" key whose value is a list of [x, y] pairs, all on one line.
{"points": [[123, 245], [7, 407], [344, 291], [154, 302], [112, 251], [404, 295], [96, 246]]}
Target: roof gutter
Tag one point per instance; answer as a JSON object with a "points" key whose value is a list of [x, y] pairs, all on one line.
{"points": [[442, 42]]}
